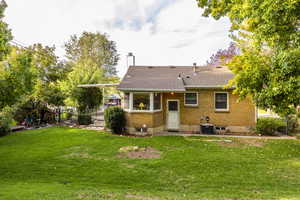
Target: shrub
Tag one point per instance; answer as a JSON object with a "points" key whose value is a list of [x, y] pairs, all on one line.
{"points": [[115, 119], [298, 136], [269, 126], [6, 120], [69, 115], [84, 119], [292, 123]]}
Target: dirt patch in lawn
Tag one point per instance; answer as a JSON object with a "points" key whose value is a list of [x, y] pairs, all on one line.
{"points": [[242, 143], [253, 142], [136, 152], [82, 152], [139, 197], [95, 195]]}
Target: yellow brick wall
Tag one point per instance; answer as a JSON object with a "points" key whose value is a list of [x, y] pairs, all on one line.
{"points": [[152, 120], [239, 114]]}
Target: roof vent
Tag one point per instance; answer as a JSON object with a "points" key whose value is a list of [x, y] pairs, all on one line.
{"points": [[150, 67], [194, 67], [172, 67], [179, 76]]}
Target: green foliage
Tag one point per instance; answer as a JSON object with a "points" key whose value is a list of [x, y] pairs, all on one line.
{"points": [[83, 98], [267, 32], [5, 33], [84, 119], [6, 120], [298, 136], [115, 119], [17, 77], [95, 47], [269, 126]]}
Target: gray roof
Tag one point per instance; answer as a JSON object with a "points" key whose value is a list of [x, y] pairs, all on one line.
{"points": [[174, 78]]}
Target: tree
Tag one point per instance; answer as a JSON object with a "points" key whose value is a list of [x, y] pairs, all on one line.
{"points": [[5, 33], [268, 34], [95, 47], [83, 98], [17, 77], [223, 56], [47, 92]]}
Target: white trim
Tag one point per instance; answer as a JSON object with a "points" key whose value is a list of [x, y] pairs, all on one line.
{"points": [[151, 108], [151, 90], [208, 86], [192, 105], [220, 92], [130, 101], [167, 112], [102, 85], [151, 101], [142, 111]]}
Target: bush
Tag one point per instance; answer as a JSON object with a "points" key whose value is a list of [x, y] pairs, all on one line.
{"points": [[298, 136], [115, 119], [292, 123], [69, 115], [6, 120], [269, 126], [84, 119]]}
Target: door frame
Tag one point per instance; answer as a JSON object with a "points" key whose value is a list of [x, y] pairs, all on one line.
{"points": [[167, 113]]}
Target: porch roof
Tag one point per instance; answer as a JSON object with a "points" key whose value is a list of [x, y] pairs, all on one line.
{"points": [[174, 78]]}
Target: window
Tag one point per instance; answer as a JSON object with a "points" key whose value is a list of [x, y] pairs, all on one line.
{"points": [[157, 101], [221, 101], [141, 101], [126, 100], [191, 99], [173, 105]]}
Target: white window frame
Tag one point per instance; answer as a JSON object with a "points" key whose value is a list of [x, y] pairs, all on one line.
{"points": [[151, 94], [192, 105], [123, 103], [218, 109]]}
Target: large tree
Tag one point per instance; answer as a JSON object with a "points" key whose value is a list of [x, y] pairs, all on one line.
{"points": [[83, 98], [95, 47], [268, 34], [5, 33], [92, 57], [17, 77]]}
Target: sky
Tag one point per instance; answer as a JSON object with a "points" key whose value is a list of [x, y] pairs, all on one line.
{"points": [[157, 32]]}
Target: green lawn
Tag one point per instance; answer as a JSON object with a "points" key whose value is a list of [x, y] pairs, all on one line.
{"points": [[63, 163]]}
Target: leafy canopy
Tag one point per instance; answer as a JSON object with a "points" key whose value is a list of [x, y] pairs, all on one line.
{"points": [[267, 33], [5, 33], [95, 47], [84, 99]]}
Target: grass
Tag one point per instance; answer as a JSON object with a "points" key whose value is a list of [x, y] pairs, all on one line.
{"points": [[63, 163]]}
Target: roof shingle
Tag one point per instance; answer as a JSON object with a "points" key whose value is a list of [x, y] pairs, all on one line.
{"points": [[174, 78]]}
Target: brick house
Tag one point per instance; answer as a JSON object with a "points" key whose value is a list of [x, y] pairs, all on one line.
{"points": [[180, 98]]}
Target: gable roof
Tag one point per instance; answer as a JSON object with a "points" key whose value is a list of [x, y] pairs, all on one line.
{"points": [[174, 78]]}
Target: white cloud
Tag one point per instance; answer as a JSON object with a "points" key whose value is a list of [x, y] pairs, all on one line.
{"points": [[166, 32]]}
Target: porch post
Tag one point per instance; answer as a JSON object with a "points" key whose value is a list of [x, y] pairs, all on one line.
{"points": [[130, 101], [151, 101]]}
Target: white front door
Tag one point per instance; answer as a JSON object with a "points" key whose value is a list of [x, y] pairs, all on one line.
{"points": [[173, 114]]}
